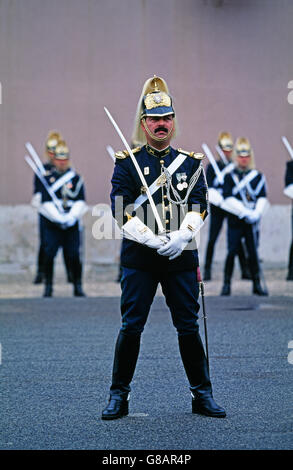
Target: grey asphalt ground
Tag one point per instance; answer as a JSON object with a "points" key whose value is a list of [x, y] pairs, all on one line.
{"points": [[55, 371]]}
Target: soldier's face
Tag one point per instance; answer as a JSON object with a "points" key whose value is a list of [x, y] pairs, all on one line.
{"points": [[228, 154], [61, 165], [158, 128], [243, 162], [51, 155]]}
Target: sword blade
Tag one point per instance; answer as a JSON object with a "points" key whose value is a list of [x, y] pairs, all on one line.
{"points": [[36, 157], [222, 155], [111, 152], [288, 146], [36, 170], [213, 162], [137, 167]]}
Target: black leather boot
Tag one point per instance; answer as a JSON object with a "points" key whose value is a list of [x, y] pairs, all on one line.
{"points": [[48, 292], [257, 289], [125, 358], [39, 278], [226, 289], [290, 267], [208, 262], [74, 266], [290, 275], [40, 272], [68, 267], [48, 272], [244, 263], [196, 368], [116, 408], [77, 291], [228, 270]]}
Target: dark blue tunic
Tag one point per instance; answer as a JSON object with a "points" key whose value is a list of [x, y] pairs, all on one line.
{"points": [[126, 183], [53, 236]]}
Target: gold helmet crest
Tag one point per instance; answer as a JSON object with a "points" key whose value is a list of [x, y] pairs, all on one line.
{"points": [[62, 151], [52, 140], [225, 141], [243, 149]]}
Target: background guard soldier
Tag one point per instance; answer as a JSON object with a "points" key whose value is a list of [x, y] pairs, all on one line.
{"points": [[177, 181], [218, 215], [52, 140], [245, 198], [61, 227], [288, 191]]}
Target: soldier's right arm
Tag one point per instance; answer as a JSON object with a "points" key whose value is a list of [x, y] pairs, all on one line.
{"points": [[289, 173], [123, 192]]}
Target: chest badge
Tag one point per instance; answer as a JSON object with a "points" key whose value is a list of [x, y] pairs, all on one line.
{"points": [[181, 178], [146, 170]]}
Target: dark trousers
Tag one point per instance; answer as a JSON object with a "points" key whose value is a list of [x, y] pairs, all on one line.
{"points": [[238, 230], [181, 291], [217, 217], [69, 240], [43, 236]]}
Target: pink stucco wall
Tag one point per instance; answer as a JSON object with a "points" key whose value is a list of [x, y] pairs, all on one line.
{"points": [[227, 63]]}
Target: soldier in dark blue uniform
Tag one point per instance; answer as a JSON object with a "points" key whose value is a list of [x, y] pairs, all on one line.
{"points": [[289, 192], [245, 198], [51, 142], [217, 215], [62, 210], [177, 183]]}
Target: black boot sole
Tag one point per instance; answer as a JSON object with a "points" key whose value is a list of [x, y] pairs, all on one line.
{"points": [[123, 412], [210, 414]]}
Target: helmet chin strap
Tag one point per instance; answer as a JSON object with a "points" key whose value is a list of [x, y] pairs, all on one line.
{"points": [[153, 136]]}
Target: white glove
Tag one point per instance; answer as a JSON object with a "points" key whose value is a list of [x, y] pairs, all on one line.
{"points": [[235, 207], [179, 239], [50, 211], [78, 209], [253, 217], [262, 205], [288, 191], [137, 231], [215, 197], [176, 244], [36, 200], [69, 220]]}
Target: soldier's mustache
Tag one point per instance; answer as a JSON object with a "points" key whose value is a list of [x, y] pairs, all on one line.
{"points": [[161, 128]]}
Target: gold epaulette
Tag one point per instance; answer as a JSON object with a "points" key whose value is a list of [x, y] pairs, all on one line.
{"points": [[197, 156], [124, 153]]}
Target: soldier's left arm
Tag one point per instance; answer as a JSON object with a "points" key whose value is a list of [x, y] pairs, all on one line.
{"points": [[261, 196], [288, 191], [79, 206]]}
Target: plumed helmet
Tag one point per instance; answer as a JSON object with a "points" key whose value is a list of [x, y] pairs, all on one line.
{"points": [[225, 141], [243, 148], [52, 140], [62, 151], [154, 100]]}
